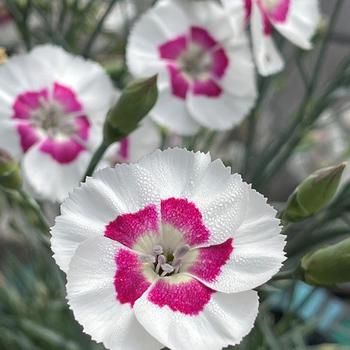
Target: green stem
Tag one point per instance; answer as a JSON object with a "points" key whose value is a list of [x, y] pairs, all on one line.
{"points": [[63, 14], [308, 239], [270, 337], [34, 206], [53, 34], [96, 159], [20, 17], [285, 138], [209, 141], [98, 28], [302, 72], [164, 139], [252, 121]]}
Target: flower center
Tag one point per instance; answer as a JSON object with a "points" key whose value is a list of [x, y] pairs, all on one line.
{"points": [[166, 262], [196, 62], [51, 117]]}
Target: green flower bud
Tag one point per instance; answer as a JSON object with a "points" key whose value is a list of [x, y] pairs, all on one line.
{"points": [[136, 101], [10, 177], [328, 266], [313, 194]]}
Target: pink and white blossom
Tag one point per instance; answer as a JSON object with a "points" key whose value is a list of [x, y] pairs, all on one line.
{"points": [[206, 73], [52, 107], [296, 20], [167, 252]]}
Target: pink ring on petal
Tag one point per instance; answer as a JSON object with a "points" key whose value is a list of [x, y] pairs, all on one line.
{"points": [[129, 281], [172, 49], [128, 228], [220, 62], [179, 82], [248, 9], [185, 217], [28, 136], [27, 102], [63, 152], [66, 97], [202, 37], [210, 260], [83, 127], [189, 297], [280, 12], [124, 150], [277, 14], [207, 88]]}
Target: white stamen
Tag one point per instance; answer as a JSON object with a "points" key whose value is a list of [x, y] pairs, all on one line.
{"points": [[158, 249], [181, 251], [177, 262], [176, 265], [164, 265], [146, 258], [160, 261], [167, 268]]}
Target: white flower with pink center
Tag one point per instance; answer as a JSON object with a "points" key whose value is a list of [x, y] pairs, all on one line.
{"points": [[297, 20], [166, 252], [206, 74], [52, 107]]}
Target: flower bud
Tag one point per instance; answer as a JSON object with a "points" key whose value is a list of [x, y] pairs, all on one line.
{"points": [[313, 194], [328, 266], [10, 177], [137, 99]]}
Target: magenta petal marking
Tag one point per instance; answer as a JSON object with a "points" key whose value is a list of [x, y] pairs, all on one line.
{"points": [[28, 136], [267, 25], [123, 151], [189, 298], [5, 18], [185, 217], [28, 102], [210, 261], [207, 88], [128, 228], [179, 83], [129, 281], [248, 8], [220, 63], [66, 97], [63, 152], [83, 127], [202, 37], [172, 49], [280, 12]]}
